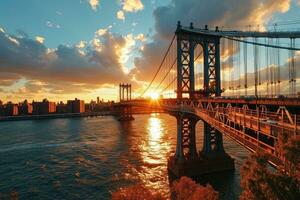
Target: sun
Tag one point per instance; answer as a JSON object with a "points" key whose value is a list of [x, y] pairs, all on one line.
{"points": [[154, 96]]}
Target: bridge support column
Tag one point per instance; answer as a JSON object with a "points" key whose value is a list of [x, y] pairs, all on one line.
{"points": [[186, 161], [125, 113], [213, 152], [213, 141], [186, 138]]}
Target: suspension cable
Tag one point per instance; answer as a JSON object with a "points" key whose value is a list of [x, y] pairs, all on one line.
{"points": [[161, 64], [261, 44]]}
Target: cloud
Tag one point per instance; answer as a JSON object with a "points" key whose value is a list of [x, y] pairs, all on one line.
{"points": [[52, 25], [102, 31], [94, 4], [228, 13], [59, 13], [81, 44], [120, 15], [66, 64], [8, 79], [141, 37], [40, 39], [132, 5]]}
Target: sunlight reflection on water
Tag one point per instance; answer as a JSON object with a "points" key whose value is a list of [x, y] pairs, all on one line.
{"points": [[88, 158], [154, 154]]}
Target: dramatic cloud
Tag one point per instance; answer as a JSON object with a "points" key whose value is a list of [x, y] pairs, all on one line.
{"points": [[120, 15], [40, 39], [80, 64], [132, 5], [228, 13], [94, 4], [8, 79]]}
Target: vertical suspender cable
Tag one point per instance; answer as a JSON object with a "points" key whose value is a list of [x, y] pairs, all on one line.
{"points": [[255, 68], [245, 69], [278, 67], [239, 68], [267, 65], [222, 61]]}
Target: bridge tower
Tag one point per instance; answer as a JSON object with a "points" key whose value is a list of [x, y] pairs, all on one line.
{"points": [[187, 161], [125, 109]]}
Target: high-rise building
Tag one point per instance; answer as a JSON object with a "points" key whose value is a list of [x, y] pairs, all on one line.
{"points": [[11, 109], [25, 108], [61, 107], [75, 106], [98, 100], [44, 107]]}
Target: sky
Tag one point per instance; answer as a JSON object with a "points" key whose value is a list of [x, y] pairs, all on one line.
{"points": [[63, 49]]}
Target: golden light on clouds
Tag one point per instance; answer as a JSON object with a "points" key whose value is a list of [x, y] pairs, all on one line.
{"points": [[94, 4], [132, 5], [120, 15], [81, 44]]}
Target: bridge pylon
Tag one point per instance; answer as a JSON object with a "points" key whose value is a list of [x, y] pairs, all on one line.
{"points": [[125, 108], [212, 158]]}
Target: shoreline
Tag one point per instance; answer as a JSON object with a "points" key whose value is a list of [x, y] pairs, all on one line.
{"points": [[65, 115]]}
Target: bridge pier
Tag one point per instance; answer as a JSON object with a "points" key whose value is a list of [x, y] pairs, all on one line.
{"points": [[125, 113], [186, 161]]}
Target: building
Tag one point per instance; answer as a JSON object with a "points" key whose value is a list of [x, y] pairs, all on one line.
{"points": [[2, 111], [61, 107], [25, 108], [75, 106], [44, 107], [98, 100], [11, 109]]}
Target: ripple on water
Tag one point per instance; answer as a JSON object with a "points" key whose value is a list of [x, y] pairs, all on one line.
{"points": [[88, 158]]}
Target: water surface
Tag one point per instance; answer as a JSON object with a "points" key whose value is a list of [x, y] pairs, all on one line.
{"points": [[88, 158]]}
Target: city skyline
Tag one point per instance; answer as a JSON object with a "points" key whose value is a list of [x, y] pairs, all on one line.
{"points": [[64, 47]]}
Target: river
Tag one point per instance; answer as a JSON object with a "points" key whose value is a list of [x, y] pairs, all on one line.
{"points": [[88, 158]]}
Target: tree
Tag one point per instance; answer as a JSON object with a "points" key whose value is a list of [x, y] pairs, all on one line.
{"points": [[187, 189], [183, 189], [259, 182], [136, 192]]}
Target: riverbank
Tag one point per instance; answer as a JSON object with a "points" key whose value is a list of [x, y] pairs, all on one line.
{"points": [[55, 116]]}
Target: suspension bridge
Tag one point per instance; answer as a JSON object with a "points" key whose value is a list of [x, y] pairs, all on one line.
{"points": [[243, 84]]}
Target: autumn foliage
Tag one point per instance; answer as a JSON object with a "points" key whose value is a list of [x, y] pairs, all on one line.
{"points": [[136, 192], [183, 189], [260, 182], [187, 189]]}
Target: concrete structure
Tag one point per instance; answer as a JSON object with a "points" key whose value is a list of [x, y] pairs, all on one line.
{"points": [[75, 106], [44, 107], [11, 109]]}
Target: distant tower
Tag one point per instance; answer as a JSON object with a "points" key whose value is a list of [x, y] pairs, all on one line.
{"points": [[98, 100]]}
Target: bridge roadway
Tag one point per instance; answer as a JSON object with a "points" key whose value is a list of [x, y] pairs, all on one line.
{"points": [[253, 129]]}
